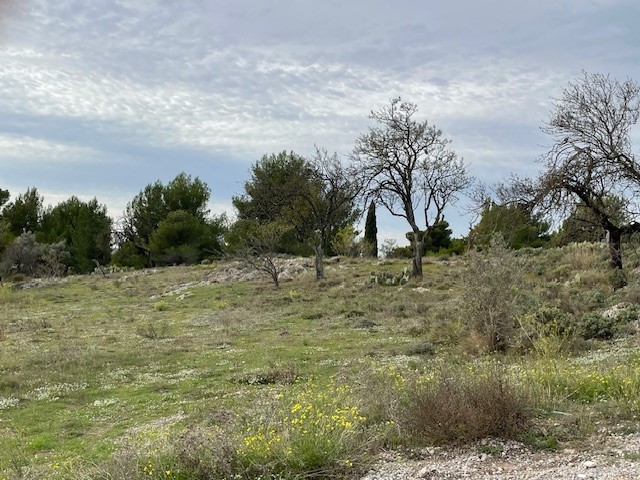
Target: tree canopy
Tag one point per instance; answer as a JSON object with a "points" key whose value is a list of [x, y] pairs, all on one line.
{"points": [[517, 224], [276, 191], [153, 205], [24, 213], [85, 229], [310, 199], [371, 230]]}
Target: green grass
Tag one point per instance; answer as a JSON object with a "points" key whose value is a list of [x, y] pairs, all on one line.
{"points": [[107, 374]]}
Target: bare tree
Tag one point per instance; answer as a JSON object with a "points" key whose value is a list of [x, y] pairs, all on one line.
{"points": [[405, 163], [331, 201], [591, 161], [260, 249]]}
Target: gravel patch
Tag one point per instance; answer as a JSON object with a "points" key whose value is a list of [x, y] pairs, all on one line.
{"points": [[604, 458]]}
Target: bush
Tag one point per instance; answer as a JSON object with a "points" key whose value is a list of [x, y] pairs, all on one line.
{"points": [[459, 407], [455, 404], [25, 256], [594, 325], [494, 300], [316, 431]]}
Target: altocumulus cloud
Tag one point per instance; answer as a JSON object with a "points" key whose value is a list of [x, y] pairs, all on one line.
{"points": [[204, 86]]}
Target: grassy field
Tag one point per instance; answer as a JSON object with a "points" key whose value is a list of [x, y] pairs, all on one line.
{"points": [[167, 374]]}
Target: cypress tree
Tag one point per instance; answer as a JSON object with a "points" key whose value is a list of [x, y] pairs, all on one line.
{"points": [[371, 230]]}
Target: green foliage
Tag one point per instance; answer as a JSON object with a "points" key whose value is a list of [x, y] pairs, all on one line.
{"points": [[187, 194], [345, 242], [317, 428], [278, 181], [438, 237], [436, 241], [276, 191], [143, 214], [457, 247], [84, 227], [400, 252], [182, 238], [128, 255], [595, 325], [519, 227], [371, 230], [6, 236], [580, 226], [151, 207], [315, 198], [605, 326], [554, 379], [24, 213], [4, 196]]}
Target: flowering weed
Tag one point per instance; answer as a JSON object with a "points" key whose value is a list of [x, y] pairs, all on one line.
{"points": [[317, 429]]}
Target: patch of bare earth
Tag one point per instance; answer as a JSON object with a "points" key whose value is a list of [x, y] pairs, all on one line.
{"points": [[603, 457]]}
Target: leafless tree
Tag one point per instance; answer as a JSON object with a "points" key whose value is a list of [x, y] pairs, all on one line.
{"points": [[406, 163], [260, 250], [591, 160], [331, 201]]}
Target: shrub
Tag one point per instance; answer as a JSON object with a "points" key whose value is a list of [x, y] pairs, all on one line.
{"points": [[606, 326], [209, 453], [459, 407], [27, 257], [153, 331], [272, 375], [422, 348], [494, 300]]}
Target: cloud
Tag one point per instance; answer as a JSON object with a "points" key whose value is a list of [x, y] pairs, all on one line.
{"points": [[34, 151], [155, 87]]}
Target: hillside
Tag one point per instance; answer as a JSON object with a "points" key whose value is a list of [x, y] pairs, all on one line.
{"points": [[209, 371]]}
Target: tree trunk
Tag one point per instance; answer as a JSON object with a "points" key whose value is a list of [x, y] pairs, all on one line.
{"points": [[418, 242], [614, 239], [319, 263]]}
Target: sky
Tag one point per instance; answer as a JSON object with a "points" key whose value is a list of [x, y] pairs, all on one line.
{"points": [[100, 98]]}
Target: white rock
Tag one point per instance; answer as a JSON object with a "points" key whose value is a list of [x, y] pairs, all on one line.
{"points": [[427, 472], [589, 464]]}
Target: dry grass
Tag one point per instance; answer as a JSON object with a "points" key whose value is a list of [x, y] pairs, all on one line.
{"points": [[456, 407]]}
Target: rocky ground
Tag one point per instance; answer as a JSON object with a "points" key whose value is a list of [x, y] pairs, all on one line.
{"points": [[603, 457]]}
